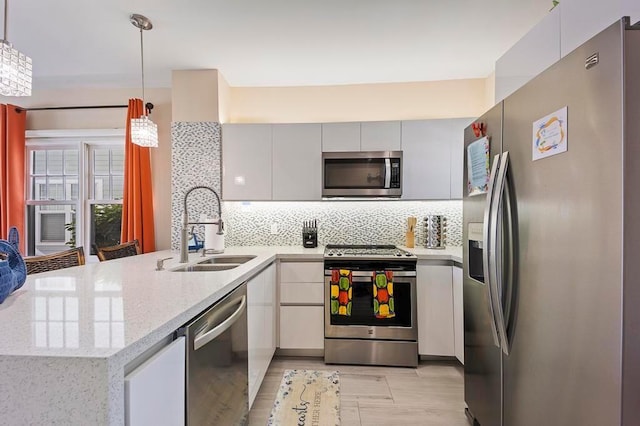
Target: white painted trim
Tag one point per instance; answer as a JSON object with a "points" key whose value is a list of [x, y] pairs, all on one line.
{"points": [[75, 133]]}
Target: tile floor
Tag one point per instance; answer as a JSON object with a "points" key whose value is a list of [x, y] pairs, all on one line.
{"points": [[430, 395]]}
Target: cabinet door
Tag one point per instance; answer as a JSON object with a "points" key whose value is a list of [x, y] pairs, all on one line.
{"points": [[301, 327], [261, 303], [246, 161], [340, 137], [532, 54], [155, 391], [255, 332], [380, 136], [435, 311], [457, 155], [426, 156], [270, 312], [297, 158], [458, 313]]}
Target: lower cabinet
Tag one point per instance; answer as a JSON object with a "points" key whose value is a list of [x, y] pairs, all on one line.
{"points": [[261, 323], [301, 305], [301, 327], [435, 310], [154, 391], [458, 313]]}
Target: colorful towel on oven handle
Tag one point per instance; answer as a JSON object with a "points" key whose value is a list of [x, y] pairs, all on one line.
{"points": [[341, 292], [383, 302]]}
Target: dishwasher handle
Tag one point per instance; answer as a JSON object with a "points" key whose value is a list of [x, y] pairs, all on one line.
{"points": [[202, 338]]}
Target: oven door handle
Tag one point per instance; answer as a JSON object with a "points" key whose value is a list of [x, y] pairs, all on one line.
{"points": [[369, 274]]}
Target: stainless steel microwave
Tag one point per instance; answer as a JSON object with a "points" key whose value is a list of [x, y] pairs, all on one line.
{"points": [[362, 174]]}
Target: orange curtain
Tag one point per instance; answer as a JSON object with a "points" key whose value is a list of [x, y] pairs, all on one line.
{"points": [[137, 205], [12, 170]]}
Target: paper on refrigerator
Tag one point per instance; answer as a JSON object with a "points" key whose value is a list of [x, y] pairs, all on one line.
{"points": [[478, 166]]}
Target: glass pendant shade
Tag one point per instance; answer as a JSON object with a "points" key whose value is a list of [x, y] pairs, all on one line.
{"points": [[15, 71], [144, 132]]}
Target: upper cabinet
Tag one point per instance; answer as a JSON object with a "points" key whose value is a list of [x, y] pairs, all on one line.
{"points": [[433, 158], [582, 19], [566, 27], [297, 157], [380, 136], [284, 161], [246, 167], [532, 54], [340, 137], [426, 150], [457, 155]]}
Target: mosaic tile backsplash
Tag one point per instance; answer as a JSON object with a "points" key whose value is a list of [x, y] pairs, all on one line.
{"points": [[339, 222], [196, 160]]}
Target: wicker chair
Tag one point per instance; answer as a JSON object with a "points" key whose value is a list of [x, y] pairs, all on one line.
{"points": [[51, 262], [132, 248]]}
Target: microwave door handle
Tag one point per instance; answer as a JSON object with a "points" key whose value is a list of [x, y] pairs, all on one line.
{"points": [[387, 173]]}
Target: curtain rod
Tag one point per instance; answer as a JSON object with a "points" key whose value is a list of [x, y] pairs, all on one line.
{"points": [[149, 106]]}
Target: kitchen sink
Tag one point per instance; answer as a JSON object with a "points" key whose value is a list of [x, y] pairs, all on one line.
{"points": [[206, 268], [237, 259]]}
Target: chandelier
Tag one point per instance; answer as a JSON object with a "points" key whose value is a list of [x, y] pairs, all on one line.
{"points": [[144, 132], [15, 67]]}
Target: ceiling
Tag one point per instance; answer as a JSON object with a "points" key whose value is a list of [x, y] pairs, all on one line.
{"points": [[90, 43]]}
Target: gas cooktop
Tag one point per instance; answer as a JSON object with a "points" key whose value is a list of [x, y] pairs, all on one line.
{"points": [[366, 251]]}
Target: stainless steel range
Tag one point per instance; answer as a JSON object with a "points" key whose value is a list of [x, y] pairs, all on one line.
{"points": [[370, 305]]}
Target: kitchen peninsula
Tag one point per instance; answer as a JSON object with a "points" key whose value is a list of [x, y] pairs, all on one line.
{"points": [[68, 336]]}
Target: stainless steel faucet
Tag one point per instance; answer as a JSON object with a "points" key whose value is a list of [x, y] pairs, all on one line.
{"points": [[184, 252]]}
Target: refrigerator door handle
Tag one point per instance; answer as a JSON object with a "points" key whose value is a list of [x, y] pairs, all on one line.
{"points": [[487, 251], [496, 259], [510, 257]]}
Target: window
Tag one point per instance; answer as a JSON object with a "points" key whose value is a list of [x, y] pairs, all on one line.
{"points": [[76, 183]]}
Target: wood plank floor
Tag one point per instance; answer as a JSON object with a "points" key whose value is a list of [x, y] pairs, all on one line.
{"points": [[430, 395]]}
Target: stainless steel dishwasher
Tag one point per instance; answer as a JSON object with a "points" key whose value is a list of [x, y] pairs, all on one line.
{"points": [[217, 363]]}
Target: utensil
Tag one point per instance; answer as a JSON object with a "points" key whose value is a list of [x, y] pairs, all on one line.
{"points": [[410, 234]]}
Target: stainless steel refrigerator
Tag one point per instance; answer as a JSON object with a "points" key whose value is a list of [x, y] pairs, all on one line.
{"points": [[552, 245]]}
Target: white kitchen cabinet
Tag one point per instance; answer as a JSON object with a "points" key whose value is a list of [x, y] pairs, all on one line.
{"points": [[380, 136], [302, 327], [155, 390], [301, 272], [261, 323], [583, 19], [426, 151], [457, 156], [297, 157], [532, 54], [247, 162], [433, 158], [458, 313], [340, 137], [301, 290], [435, 310]]}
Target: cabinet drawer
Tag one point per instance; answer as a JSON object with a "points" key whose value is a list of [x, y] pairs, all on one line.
{"points": [[301, 327], [302, 293], [301, 272]]}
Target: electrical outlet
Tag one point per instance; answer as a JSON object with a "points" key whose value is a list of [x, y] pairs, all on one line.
{"points": [[274, 229]]}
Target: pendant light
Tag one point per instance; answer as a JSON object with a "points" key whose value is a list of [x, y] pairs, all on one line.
{"points": [[144, 132], [15, 67]]}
